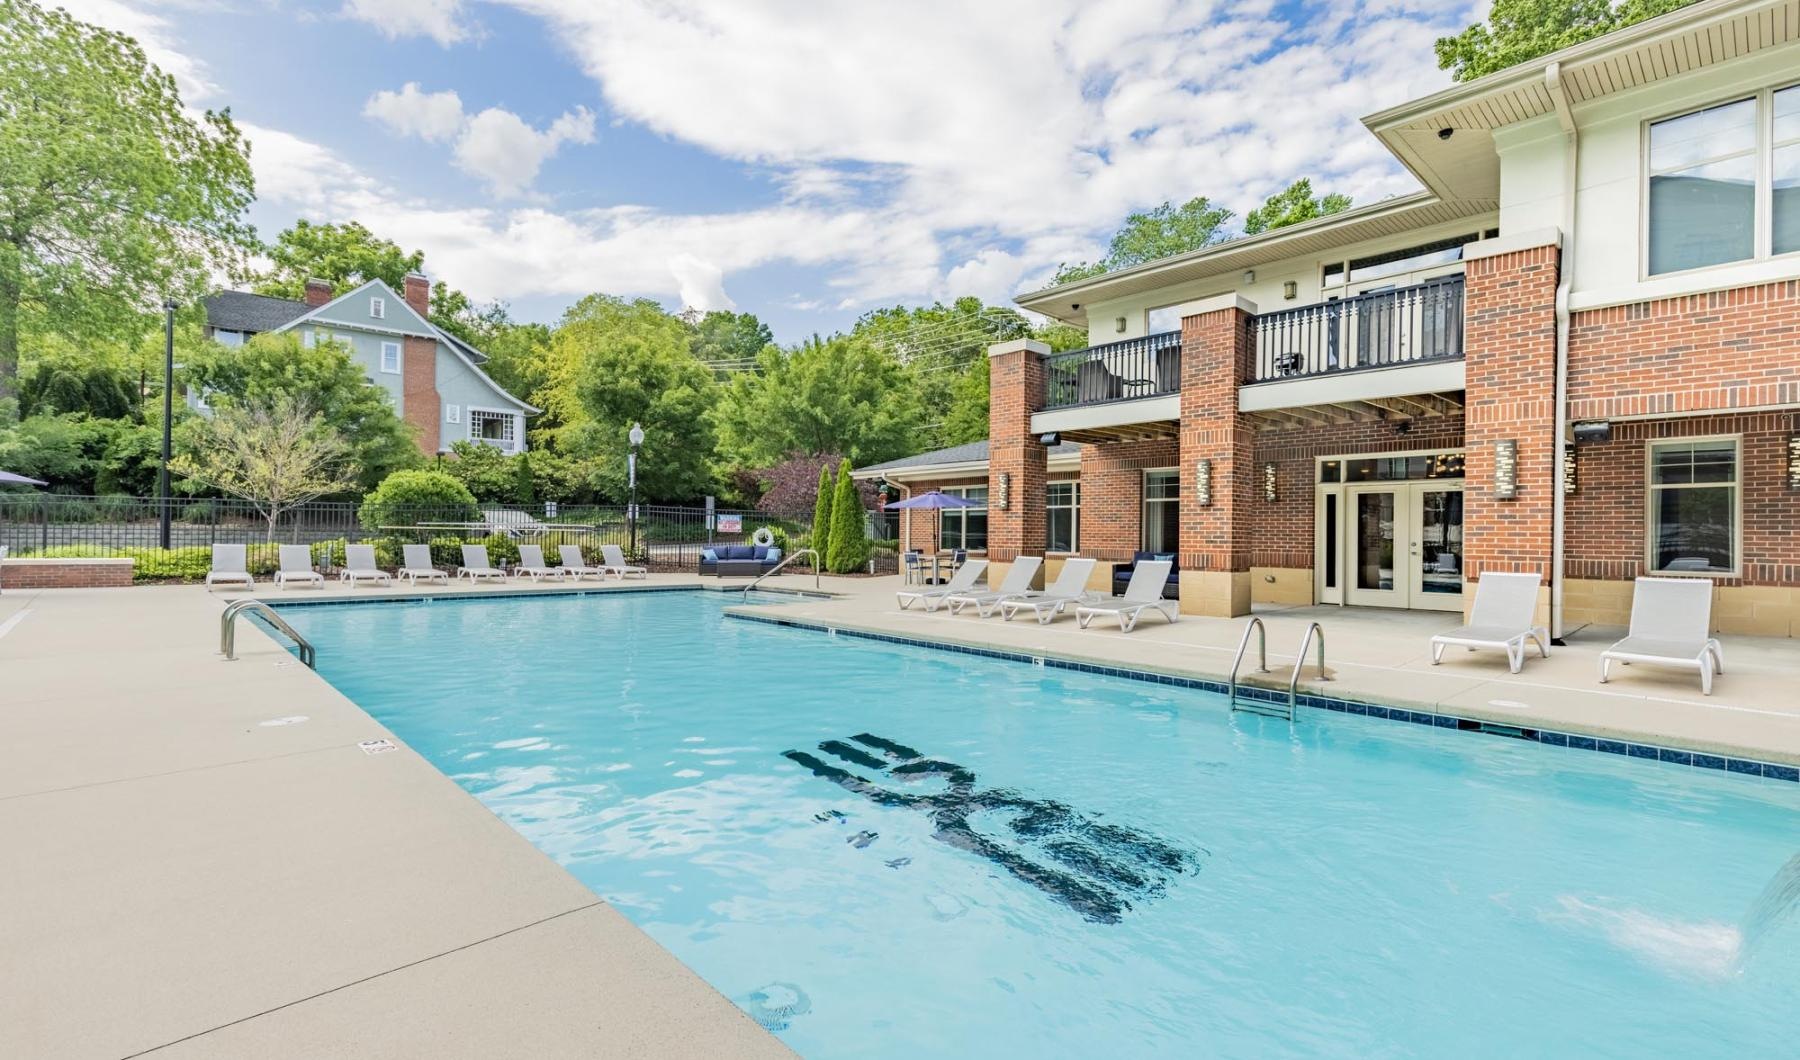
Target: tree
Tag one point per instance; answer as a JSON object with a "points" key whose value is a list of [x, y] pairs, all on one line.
{"points": [[966, 417], [725, 338], [836, 395], [524, 486], [276, 365], [848, 551], [1517, 31], [821, 524], [113, 195], [939, 345], [1150, 235], [412, 496], [348, 255], [277, 453], [1292, 205], [791, 486], [612, 363]]}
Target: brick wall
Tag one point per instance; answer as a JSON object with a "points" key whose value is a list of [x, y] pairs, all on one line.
{"points": [[1510, 353], [1719, 351], [1216, 352], [1112, 494], [65, 573], [418, 366], [1015, 391]]}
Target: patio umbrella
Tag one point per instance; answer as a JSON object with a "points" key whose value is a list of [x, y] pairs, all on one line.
{"points": [[934, 499], [7, 478]]}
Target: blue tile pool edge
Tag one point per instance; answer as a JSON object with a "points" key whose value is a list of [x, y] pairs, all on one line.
{"points": [[1550, 737], [515, 593]]}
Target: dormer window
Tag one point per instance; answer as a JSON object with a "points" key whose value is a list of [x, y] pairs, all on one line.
{"points": [[377, 308]]}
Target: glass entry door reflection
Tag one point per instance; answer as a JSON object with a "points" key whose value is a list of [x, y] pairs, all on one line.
{"points": [[1405, 546], [1438, 568], [1377, 539]]}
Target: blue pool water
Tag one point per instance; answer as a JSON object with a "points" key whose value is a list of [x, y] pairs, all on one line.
{"points": [[1085, 866]]}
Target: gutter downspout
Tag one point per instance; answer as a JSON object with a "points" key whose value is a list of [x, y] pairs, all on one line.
{"points": [[1565, 280]]}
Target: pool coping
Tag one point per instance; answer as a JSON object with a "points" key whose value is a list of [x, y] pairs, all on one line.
{"points": [[1733, 764], [519, 592]]}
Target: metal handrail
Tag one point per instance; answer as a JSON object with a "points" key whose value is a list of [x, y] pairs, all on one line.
{"points": [[1300, 661], [228, 631], [1146, 366], [1262, 651], [777, 569]]}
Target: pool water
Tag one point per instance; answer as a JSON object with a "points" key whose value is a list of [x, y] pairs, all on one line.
{"points": [[889, 851]]}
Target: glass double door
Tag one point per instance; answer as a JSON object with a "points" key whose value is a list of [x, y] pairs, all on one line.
{"points": [[1403, 545]]}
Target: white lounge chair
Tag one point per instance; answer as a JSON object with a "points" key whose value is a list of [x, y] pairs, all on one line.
{"points": [[1671, 625], [512, 524], [359, 566], [475, 565], [296, 568], [417, 564], [1017, 583], [1070, 587], [230, 566], [961, 582], [1505, 605], [574, 565], [613, 562], [1144, 592], [531, 564]]}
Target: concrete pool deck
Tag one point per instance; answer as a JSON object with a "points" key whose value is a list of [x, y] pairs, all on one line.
{"points": [[186, 880]]}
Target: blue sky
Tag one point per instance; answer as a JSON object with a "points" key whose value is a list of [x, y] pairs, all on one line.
{"points": [[803, 162]]}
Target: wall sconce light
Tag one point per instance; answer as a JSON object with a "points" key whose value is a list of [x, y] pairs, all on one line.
{"points": [[1249, 275], [1794, 461], [1290, 290], [1569, 468], [1269, 483], [1005, 489], [1506, 470], [1119, 325], [1203, 482]]}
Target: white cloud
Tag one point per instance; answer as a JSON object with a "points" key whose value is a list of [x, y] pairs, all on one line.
{"points": [[500, 148], [434, 116], [441, 20], [700, 284]]}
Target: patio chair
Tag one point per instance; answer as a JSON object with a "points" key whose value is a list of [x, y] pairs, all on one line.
{"points": [[612, 561], [573, 563], [1070, 587], [359, 566], [1144, 592], [1671, 625], [297, 567], [417, 564], [512, 524], [531, 563], [1505, 605], [1016, 584], [912, 567], [475, 565], [961, 582], [229, 567]]}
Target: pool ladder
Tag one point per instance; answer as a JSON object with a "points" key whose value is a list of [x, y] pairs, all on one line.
{"points": [[1274, 709], [777, 569], [228, 631]]}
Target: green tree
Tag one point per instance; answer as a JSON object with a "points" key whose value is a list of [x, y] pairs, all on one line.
{"points": [[724, 338], [821, 524], [113, 195], [612, 363], [275, 452], [966, 417], [1517, 31], [325, 377], [484, 469], [939, 345], [848, 551], [1292, 205], [407, 497], [1151, 235], [836, 395], [524, 489], [347, 255]]}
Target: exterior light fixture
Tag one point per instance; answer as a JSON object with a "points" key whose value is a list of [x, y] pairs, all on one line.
{"points": [[1249, 275], [1005, 490], [1269, 483], [1203, 482], [1119, 325], [1569, 468], [636, 438], [1290, 290], [1506, 469], [1794, 461]]}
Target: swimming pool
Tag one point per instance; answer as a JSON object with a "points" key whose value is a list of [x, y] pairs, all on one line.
{"points": [[881, 850]]}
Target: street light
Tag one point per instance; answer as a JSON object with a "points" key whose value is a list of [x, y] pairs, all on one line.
{"points": [[631, 513], [168, 410]]}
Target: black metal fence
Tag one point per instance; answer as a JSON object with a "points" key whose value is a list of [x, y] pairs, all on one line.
{"points": [[665, 537], [1423, 322], [1132, 368]]}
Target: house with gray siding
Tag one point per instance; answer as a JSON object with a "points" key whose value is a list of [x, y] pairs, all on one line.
{"points": [[433, 378]]}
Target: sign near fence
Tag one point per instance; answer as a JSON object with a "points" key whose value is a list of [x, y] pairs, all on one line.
{"points": [[731, 524]]}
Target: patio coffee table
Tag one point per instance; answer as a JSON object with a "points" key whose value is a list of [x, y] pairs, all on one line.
{"points": [[740, 568]]}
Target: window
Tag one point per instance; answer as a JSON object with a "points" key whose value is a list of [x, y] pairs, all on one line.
{"points": [[1694, 506], [1395, 262], [378, 308], [390, 357], [1703, 188], [1786, 160], [228, 338], [1162, 511], [964, 528], [493, 428], [452, 413], [1063, 516]]}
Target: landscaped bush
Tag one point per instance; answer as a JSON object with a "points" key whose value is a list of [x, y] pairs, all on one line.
{"points": [[779, 534], [405, 497], [500, 548], [189, 563]]}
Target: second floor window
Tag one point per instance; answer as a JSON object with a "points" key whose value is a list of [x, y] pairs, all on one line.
{"points": [[1724, 183], [390, 357], [378, 308], [494, 428]]}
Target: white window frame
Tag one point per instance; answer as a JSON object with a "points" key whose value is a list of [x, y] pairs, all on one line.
{"points": [[1145, 500], [452, 413], [962, 516], [1074, 510], [1763, 217], [1736, 485], [385, 347], [511, 417], [378, 308]]}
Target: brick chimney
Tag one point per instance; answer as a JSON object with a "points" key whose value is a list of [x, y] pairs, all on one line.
{"points": [[418, 293], [318, 292]]}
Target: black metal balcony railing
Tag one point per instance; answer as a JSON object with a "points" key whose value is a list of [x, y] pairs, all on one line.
{"points": [[1118, 371], [1403, 326]]}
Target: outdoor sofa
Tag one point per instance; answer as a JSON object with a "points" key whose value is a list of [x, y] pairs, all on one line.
{"points": [[738, 561], [1121, 578]]}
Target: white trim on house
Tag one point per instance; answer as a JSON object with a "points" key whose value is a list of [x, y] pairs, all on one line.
{"points": [[399, 353], [518, 427], [378, 308]]}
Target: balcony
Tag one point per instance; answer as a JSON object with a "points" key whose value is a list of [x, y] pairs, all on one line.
{"points": [[1382, 329], [1120, 391]]}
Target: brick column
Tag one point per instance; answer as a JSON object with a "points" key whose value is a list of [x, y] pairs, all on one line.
{"points": [[420, 404], [1016, 459], [1217, 347], [1510, 354]]}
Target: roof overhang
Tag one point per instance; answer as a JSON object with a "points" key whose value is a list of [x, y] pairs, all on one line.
{"points": [[959, 469]]}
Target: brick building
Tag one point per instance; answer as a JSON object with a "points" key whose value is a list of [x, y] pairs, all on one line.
{"points": [[1575, 352]]}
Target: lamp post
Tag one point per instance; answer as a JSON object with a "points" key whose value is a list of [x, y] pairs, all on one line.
{"points": [[168, 416], [631, 513]]}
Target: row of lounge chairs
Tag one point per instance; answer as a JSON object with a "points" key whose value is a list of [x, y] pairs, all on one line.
{"points": [[1014, 594], [230, 566]]}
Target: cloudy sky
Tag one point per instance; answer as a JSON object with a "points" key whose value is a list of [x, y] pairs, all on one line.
{"points": [[804, 161]]}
